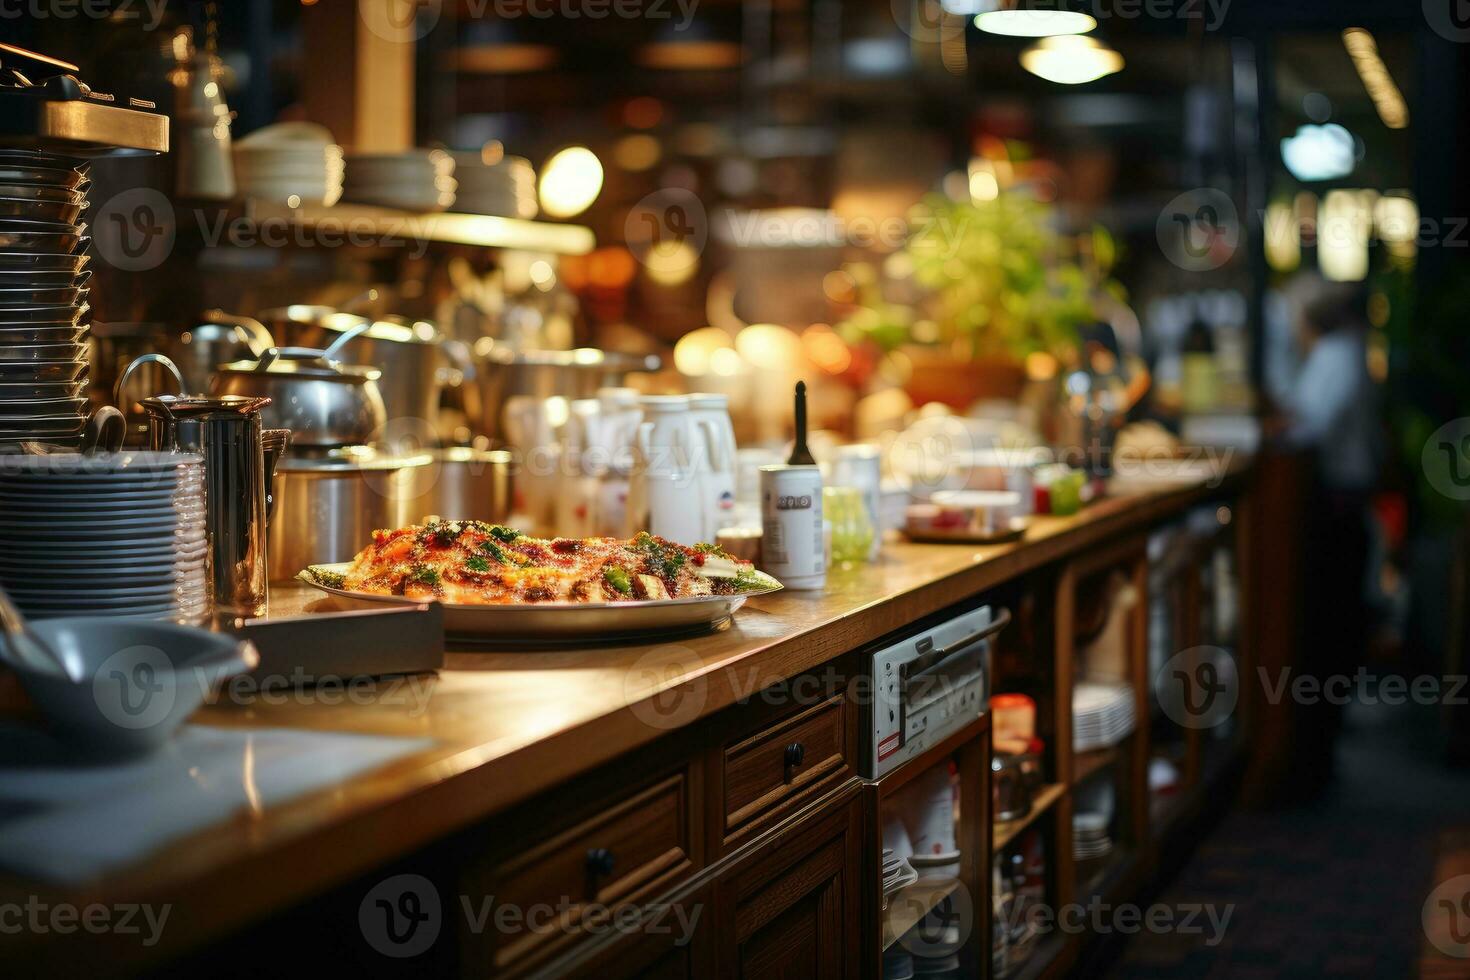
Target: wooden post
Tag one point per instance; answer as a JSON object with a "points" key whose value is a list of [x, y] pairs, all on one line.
{"points": [[358, 79]]}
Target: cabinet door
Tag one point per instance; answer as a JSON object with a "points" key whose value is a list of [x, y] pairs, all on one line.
{"points": [[791, 910]]}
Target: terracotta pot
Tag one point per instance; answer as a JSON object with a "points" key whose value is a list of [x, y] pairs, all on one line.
{"points": [[937, 377]]}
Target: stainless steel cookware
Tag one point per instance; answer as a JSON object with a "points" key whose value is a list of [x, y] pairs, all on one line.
{"points": [[219, 338], [502, 374], [327, 508], [460, 483], [227, 431], [324, 402]]}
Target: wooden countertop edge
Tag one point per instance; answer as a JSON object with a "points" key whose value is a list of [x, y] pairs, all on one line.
{"points": [[384, 814]]}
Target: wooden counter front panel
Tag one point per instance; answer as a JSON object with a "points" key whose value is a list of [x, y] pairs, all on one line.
{"points": [[796, 759], [632, 850], [792, 909]]}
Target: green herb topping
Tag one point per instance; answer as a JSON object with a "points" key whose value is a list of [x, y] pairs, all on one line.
{"points": [[618, 579]]}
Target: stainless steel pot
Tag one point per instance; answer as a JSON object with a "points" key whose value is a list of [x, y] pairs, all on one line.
{"points": [[220, 338], [323, 402], [328, 508], [461, 484], [502, 374], [411, 354]]}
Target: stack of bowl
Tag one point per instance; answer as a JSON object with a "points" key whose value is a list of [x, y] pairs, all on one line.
{"points": [[415, 180], [43, 300]]}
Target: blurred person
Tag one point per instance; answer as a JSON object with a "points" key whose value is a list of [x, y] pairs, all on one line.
{"points": [[1332, 413]]}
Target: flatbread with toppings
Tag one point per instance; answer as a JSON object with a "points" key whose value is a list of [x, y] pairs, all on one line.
{"points": [[475, 563]]}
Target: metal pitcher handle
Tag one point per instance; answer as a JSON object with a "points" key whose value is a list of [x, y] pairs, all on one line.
{"points": [[257, 338], [127, 373]]}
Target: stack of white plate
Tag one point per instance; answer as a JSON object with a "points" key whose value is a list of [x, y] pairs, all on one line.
{"points": [[505, 187], [1102, 714], [415, 180], [289, 163], [1090, 838], [118, 534], [896, 872]]}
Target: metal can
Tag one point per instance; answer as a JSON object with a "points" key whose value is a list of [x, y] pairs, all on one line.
{"points": [[792, 544]]}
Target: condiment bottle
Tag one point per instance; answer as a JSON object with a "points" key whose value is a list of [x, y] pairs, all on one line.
{"points": [[792, 543]]}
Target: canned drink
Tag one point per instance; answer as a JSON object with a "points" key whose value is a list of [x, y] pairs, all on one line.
{"points": [[860, 466], [793, 548]]}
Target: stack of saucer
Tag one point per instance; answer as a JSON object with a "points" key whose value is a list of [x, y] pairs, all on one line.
{"points": [[289, 163], [415, 180], [505, 187], [896, 872], [43, 299], [1090, 838], [1102, 714], [119, 534]]}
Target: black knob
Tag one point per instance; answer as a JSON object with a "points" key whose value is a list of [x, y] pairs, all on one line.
{"points": [[599, 862], [795, 752]]}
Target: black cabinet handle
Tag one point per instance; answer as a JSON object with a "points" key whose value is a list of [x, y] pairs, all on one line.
{"points": [[599, 862], [795, 753]]}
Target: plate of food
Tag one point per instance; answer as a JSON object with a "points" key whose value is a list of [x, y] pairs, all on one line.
{"points": [[498, 584]]}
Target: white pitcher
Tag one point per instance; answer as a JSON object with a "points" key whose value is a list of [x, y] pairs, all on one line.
{"points": [[717, 439]]}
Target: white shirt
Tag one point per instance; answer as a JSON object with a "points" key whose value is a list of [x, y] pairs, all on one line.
{"points": [[1334, 409]]}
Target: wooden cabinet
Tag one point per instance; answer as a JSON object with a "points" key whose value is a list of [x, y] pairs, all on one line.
{"points": [[792, 908]]}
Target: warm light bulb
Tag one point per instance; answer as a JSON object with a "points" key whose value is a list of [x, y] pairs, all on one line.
{"points": [[1034, 23], [570, 182]]}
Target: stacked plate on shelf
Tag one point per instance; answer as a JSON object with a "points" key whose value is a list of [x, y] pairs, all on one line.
{"points": [[506, 186], [119, 534], [292, 163], [1102, 714], [43, 300], [415, 180], [1090, 839], [896, 873]]}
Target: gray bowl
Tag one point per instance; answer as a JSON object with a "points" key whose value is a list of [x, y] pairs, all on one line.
{"points": [[142, 679]]}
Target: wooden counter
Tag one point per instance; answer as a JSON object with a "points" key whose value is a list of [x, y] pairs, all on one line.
{"points": [[503, 727]]}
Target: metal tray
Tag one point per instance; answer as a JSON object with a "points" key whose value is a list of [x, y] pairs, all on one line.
{"points": [[558, 621]]}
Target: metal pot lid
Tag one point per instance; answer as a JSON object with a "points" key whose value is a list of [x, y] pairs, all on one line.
{"points": [[200, 406], [352, 459], [392, 329], [350, 373]]}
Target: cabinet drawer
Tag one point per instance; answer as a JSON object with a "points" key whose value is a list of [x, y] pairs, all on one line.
{"points": [[631, 851], [772, 771]]}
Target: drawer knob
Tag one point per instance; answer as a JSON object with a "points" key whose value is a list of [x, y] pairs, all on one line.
{"points": [[599, 862], [795, 753]]}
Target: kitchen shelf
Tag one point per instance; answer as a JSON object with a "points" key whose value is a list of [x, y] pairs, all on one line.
{"points": [[1005, 831], [1084, 764], [910, 904], [486, 231]]}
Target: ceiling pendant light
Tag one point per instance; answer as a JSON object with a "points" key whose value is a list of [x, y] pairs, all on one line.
{"points": [[1071, 59], [1019, 18]]}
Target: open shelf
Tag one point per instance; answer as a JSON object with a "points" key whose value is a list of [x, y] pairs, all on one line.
{"points": [[910, 904], [1084, 764], [487, 231], [1005, 831]]}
